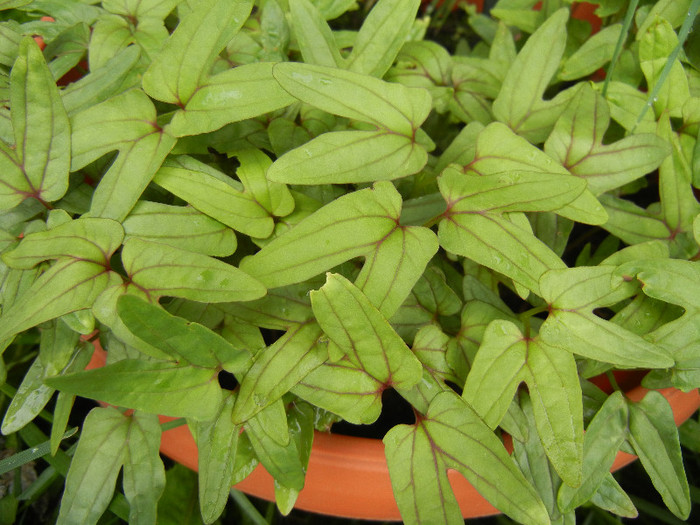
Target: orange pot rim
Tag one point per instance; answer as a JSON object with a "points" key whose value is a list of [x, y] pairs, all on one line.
{"points": [[348, 476]]}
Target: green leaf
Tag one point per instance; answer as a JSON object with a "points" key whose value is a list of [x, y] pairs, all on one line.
{"points": [[95, 466], [351, 226], [30, 399], [669, 280], [656, 44], [278, 368], [455, 437], [179, 226], [87, 239], [356, 96], [344, 389], [573, 294], [144, 474], [275, 198], [68, 286], [604, 436], [142, 146], [654, 437], [190, 275], [237, 94], [183, 341], [37, 164], [181, 68], [99, 85], [179, 391], [282, 462], [612, 498], [179, 501], [110, 34], [577, 143], [381, 36], [353, 323], [217, 441], [519, 103], [350, 157], [593, 54], [391, 271], [313, 35], [212, 193]]}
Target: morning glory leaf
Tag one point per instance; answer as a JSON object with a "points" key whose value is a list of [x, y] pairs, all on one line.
{"points": [[144, 474], [353, 323], [217, 441], [496, 242], [141, 143], [180, 390], [95, 466], [179, 226], [352, 225], [99, 85], [275, 198], [283, 462], [504, 360], [68, 286], [604, 437], [653, 435], [313, 35], [391, 271], [631, 223], [576, 142], [109, 35], [214, 194], [350, 157], [356, 96], [30, 399], [179, 339], [519, 103], [573, 294], [190, 275], [139, 9], [88, 239], [278, 368], [460, 439], [612, 498], [383, 32], [669, 280], [656, 44], [237, 94], [181, 68], [360, 402], [37, 164], [593, 54]]}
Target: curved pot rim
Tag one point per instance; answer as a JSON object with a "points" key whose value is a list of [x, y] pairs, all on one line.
{"points": [[348, 476]]}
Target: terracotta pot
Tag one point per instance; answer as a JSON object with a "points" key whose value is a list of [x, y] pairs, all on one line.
{"points": [[348, 476]]}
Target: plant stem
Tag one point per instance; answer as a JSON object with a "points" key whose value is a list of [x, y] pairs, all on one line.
{"points": [[626, 24]]}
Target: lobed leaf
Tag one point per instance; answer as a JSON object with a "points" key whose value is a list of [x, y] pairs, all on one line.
{"points": [[181, 68], [353, 323]]}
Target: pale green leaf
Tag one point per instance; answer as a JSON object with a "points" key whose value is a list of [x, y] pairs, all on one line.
{"points": [[30, 399], [144, 474], [179, 226], [356, 96], [653, 435], [183, 341], [209, 191], [519, 103], [180, 68], [381, 36], [93, 240], [669, 280], [350, 157], [593, 54], [165, 388], [348, 227], [95, 466], [577, 143], [217, 441], [350, 320], [313, 35], [190, 275], [237, 94], [278, 368], [604, 436], [66, 287], [37, 163], [275, 198], [612, 498]]}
